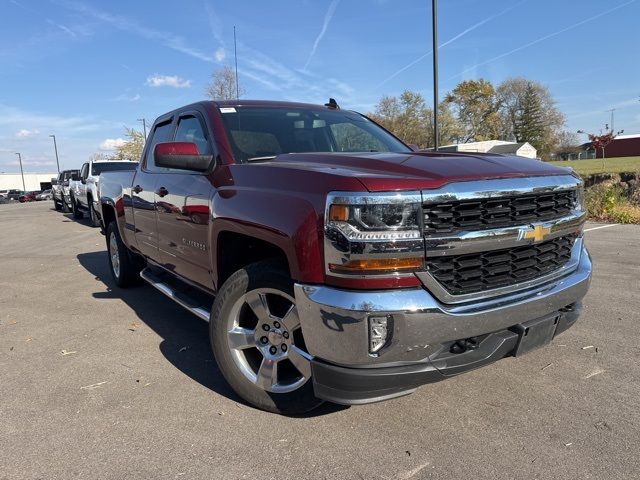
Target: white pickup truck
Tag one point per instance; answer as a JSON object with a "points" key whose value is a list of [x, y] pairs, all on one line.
{"points": [[84, 190]]}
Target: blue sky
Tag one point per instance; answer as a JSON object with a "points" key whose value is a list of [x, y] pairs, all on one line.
{"points": [[83, 70]]}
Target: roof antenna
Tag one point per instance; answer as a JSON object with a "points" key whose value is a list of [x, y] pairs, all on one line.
{"points": [[333, 105]]}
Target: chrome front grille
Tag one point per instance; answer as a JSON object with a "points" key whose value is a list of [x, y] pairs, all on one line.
{"points": [[484, 213], [494, 237], [477, 272]]}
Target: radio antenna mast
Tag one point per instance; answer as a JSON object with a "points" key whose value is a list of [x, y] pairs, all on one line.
{"points": [[235, 52]]}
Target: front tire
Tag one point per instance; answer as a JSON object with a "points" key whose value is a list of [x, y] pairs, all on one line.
{"points": [[124, 266], [57, 205], [77, 213], [95, 222], [257, 340]]}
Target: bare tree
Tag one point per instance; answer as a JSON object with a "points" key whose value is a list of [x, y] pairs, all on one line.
{"points": [[223, 85]]}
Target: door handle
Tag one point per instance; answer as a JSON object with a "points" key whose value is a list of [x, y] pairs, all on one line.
{"points": [[137, 189], [161, 192]]}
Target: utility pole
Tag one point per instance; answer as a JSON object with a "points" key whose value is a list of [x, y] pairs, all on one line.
{"points": [[55, 147], [434, 23], [24, 188], [144, 128], [235, 54]]}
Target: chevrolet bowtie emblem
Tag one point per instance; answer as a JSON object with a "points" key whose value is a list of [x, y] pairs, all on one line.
{"points": [[537, 233]]}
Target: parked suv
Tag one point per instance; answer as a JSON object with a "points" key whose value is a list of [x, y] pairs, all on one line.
{"points": [[60, 190], [332, 261], [83, 191]]}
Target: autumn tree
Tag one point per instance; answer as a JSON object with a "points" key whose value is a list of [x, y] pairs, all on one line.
{"points": [[223, 85], [409, 118], [475, 107], [132, 148]]}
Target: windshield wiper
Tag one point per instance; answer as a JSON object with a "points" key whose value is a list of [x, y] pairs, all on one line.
{"points": [[261, 159]]}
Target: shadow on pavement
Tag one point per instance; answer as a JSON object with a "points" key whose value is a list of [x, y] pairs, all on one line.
{"points": [[178, 329]]}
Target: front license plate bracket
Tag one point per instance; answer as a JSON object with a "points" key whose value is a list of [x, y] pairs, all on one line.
{"points": [[535, 334]]}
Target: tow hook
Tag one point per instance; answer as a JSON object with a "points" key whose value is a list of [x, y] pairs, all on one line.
{"points": [[462, 346]]}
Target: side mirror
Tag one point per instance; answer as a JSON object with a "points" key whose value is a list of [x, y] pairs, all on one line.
{"points": [[181, 156], [414, 147]]}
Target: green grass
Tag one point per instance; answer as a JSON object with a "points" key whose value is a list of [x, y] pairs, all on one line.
{"points": [[611, 165]]}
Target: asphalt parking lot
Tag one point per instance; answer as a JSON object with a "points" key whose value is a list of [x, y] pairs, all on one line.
{"points": [[98, 382]]}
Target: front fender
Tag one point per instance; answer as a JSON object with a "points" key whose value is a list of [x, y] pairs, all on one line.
{"points": [[285, 219]]}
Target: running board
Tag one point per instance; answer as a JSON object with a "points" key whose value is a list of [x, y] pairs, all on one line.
{"points": [[181, 297]]}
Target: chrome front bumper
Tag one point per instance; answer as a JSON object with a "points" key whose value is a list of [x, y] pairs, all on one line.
{"points": [[335, 322]]}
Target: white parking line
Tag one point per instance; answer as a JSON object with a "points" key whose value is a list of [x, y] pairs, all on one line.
{"points": [[601, 226]]}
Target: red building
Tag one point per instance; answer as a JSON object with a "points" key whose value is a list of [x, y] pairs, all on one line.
{"points": [[622, 146]]}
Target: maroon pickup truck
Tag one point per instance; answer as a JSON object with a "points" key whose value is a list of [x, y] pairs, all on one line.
{"points": [[335, 263]]}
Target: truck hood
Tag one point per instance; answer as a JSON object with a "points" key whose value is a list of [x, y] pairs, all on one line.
{"points": [[415, 171]]}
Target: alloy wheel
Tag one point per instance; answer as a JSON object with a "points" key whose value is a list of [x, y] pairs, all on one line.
{"points": [[266, 343]]}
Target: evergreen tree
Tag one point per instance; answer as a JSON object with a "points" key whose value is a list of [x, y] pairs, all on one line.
{"points": [[530, 125]]}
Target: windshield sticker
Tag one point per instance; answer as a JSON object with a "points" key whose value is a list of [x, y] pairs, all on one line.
{"points": [[227, 110]]}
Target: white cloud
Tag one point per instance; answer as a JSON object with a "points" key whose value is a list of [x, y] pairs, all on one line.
{"points": [[167, 81], [112, 143], [127, 98], [325, 24], [220, 54], [24, 133], [125, 24]]}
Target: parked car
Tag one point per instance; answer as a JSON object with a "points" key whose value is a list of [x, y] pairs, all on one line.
{"points": [[84, 191], [44, 195], [4, 193], [14, 194], [60, 190], [28, 197], [335, 263]]}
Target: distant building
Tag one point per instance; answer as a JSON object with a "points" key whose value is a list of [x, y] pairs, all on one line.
{"points": [[622, 146], [494, 146], [32, 181]]}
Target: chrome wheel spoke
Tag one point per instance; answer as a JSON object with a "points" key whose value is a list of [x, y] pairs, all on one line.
{"points": [[258, 303], [115, 259], [267, 375], [300, 361], [241, 338], [290, 320]]}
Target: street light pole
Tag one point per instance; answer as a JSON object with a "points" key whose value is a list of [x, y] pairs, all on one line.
{"points": [[24, 188], [55, 147], [434, 22], [144, 128]]}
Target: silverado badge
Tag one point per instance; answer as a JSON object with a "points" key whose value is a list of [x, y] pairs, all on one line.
{"points": [[537, 233]]}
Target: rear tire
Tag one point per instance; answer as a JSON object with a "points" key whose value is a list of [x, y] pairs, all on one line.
{"points": [[257, 341], [124, 265]]}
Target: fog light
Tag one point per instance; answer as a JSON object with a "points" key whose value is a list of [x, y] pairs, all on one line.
{"points": [[377, 333]]}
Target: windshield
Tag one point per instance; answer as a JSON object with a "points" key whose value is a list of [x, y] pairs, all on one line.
{"points": [[98, 168], [259, 132]]}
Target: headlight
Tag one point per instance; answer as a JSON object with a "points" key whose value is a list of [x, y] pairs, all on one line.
{"points": [[367, 234]]}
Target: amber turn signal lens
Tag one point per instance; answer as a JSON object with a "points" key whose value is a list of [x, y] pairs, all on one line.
{"points": [[377, 265], [339, 213]]}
